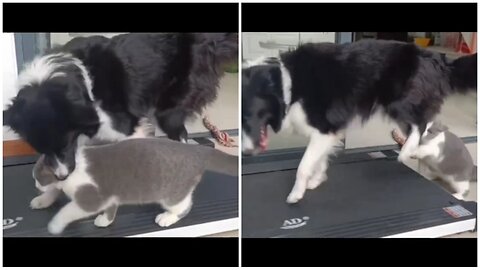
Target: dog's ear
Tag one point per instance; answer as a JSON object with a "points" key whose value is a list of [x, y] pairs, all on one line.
{"points": [[11, 117], [7, 117], [86, 120], [277, 108], [89, 127]]}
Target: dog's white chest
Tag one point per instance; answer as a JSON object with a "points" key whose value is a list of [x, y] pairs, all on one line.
{"points": [[106, 130], [296, 120]]}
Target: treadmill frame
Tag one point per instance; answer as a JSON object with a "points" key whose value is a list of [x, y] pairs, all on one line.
{"points": [[289, 158], [198, 230]]}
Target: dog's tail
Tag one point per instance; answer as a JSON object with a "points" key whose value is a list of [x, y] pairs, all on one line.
{"points": [[463, 73], [222, 163]]}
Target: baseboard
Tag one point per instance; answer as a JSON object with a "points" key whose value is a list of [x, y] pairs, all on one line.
{"points": [[17, 148]]}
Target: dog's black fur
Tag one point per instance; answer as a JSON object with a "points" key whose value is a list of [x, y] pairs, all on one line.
{"points": [[335, 83], [175, 75]]}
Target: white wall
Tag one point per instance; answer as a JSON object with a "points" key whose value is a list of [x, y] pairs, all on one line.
{"points": [[9, 76]]}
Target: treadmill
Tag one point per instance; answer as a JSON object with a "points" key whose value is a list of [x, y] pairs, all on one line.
{"points": [[368, 194], [214, 210]]}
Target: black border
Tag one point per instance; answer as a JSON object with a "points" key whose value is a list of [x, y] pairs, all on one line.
{"points": [[444, 252], [120, 252], [120, 17], [343, 17]]}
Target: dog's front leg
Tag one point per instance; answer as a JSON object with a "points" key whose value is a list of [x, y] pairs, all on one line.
{"points": [[410, 145], [319, 147]]}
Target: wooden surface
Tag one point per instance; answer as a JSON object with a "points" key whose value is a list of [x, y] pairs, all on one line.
{"points": [[17, 148], [449, 52]]}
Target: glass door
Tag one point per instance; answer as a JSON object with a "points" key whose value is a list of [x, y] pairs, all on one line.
{"points": [[223, 112], [268, 44]]}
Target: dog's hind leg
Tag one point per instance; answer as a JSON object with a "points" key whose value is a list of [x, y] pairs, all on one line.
{"points": [[319, 147], [172, 122], [320, 174]]}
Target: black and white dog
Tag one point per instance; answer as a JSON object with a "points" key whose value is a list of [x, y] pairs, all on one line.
{"points": [[101, 88], [317, 89]]}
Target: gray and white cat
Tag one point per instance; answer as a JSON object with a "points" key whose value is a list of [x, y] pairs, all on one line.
{"points": [[444, 156], [134, 171]]}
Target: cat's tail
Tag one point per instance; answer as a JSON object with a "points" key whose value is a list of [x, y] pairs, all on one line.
{"points": [[222, 163], [474, 174]]}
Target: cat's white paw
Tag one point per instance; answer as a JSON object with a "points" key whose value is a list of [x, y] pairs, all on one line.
{"points": [[55, 227], [166, 219], [102, 221], [41, 202], [459, 196]]}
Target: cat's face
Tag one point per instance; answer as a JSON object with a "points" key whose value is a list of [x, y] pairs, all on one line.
{"points": [[42, 174]]}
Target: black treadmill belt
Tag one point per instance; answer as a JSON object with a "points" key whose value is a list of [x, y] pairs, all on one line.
{"points": [[215, 199], [363, 198]]}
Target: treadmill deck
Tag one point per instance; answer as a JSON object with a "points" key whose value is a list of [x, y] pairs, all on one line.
{"points": [[214, 201], [364, 196]]}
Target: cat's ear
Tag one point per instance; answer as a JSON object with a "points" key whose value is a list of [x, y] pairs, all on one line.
{"points": [[437, 127], [443, 128], [440, 127]]}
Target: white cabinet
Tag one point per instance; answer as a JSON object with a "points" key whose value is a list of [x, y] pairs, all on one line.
{"points": [[270, 44], [317, 37]]}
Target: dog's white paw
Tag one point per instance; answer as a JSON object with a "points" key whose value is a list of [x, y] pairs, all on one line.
{"points": [[402, 158], [166, 219], [414, 155], [55, 227], [41, 202], [294, 196], [313, 183], [102, 221]]}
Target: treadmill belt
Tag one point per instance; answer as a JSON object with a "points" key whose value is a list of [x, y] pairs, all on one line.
{"points": [[364, 196], [215, 199]]}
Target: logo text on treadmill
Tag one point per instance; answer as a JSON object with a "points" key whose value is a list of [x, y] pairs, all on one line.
{"points": [[9, 223], [294, 223]]}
